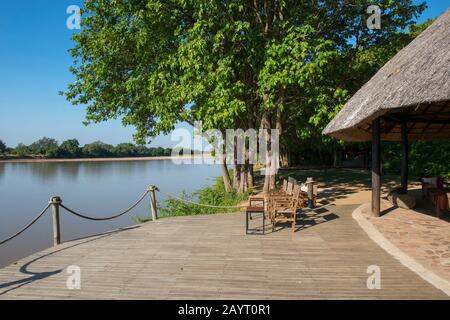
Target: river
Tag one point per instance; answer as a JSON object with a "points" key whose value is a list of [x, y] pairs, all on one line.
{"points": [[94, 188]]}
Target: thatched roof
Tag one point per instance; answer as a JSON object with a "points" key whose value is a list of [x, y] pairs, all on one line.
{"points": [[415, 85]]}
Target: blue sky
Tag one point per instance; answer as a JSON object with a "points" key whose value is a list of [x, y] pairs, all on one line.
{"points": [[34, 65]]}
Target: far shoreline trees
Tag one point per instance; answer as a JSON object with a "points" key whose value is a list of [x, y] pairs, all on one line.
{"points": [[2, 147], [71, 149]]}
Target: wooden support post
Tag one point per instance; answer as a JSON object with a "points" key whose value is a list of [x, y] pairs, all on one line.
{"points": [[153, 209], [310, 185], [405, 156], [55, 202], [376, 167]]}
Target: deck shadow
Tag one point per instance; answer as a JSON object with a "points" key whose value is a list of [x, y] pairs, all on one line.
{"points": [[35, 276], [307, 219], [315, 217]]}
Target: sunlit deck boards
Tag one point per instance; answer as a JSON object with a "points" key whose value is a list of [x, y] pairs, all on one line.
{"points": [[210, 257]]}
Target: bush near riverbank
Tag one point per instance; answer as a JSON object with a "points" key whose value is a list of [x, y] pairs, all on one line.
{"points": [[214, 195]]}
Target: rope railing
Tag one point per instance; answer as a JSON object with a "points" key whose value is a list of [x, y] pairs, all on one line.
{"points": [[107, 218], [27, 226], [55, 203]]}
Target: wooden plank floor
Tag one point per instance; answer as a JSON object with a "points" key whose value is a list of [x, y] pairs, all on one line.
{"points": [[210, 257]]}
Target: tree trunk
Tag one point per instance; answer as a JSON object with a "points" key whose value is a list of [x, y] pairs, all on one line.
{"points": [[225, 175], [248, 168], [279, 127], [366, 159], [237, 168], [335, 157], [285, 159], [252, 119], [243, 180], [236, 176], [250, 176], [273, 181], [265, 125]]}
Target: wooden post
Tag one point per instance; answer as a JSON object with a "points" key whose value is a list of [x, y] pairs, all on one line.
{"points": [[405, 156], [55, 202], [376, 167], [310, 185], [153, 209]]}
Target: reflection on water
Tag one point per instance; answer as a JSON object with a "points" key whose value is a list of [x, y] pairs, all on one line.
{"points": [[94, 188]]}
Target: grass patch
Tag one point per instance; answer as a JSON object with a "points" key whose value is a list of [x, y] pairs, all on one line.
{"points": [[214, 195]]}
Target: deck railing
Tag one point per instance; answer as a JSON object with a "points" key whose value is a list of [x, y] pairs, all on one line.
{"points": [[56, 203]]}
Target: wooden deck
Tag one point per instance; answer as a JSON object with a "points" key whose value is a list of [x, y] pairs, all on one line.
{"points": [[210, 257]]}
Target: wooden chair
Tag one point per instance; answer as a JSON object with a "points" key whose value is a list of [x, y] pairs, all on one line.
{"points": [[285, 193], [286, 198], [259, 200], [285, 211], [286, 189], [285, 186]]}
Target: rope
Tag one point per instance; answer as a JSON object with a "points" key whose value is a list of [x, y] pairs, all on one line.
{"points": [[108, 218], [27, 226], [200, 204], [114, 216]]}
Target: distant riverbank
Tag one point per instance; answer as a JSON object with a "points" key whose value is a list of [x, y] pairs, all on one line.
{"points": [[31, 160]]}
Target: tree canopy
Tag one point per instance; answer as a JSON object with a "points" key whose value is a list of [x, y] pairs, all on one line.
{"points": [[289, 65]]}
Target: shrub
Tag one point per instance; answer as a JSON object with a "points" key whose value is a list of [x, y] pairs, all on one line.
{"points": [[214, 195]]}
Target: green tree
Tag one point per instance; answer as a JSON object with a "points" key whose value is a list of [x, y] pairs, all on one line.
{"points": [[427, 158], [143, 151], [54, 153], [98, 149], [44, 146], [70, 149], [289, 65], [167, 152], [21, 150], [357, 61], [2, 147], [159, 152], [126, 150]]}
